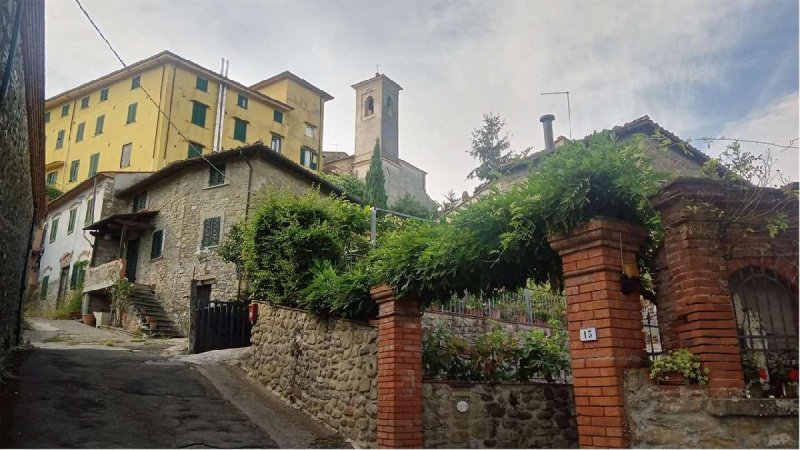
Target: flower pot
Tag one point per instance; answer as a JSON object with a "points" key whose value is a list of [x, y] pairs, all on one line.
{"points": [[75, 315], [672, 379], [153, 322], [88, 319]]}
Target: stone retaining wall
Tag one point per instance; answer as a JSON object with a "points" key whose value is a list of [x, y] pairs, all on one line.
{"points": [[471, 327], [327, 368], [499, 415], [686, 417]]}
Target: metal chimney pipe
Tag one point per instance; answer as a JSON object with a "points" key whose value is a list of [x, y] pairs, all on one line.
{"points": [[547, 124]]}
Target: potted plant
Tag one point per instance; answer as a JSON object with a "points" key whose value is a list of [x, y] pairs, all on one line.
{"points": [[754, 376], [678, 367]]}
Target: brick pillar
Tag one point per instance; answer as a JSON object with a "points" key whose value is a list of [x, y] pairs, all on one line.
{"points": [[699, 312], [399, 370], [592, 265]]}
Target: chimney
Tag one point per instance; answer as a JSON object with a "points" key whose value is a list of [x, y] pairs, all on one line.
{"points": [[547, 124]]}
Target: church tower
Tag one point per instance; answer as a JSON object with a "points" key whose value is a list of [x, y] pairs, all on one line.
{"points": [[377, 106]]}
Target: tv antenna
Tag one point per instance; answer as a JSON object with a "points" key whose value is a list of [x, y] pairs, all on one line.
{"points": [[569, 113]]}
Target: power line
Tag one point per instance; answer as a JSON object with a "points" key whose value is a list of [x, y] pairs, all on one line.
{"points": [[723, 138]]}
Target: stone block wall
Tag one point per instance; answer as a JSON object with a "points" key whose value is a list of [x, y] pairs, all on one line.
{"points": [[328, 368], [499, 415], [688, 417], [471, 328]]}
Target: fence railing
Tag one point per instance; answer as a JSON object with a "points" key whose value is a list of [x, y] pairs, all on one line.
{"points": [[532, 306], [652, 336]]}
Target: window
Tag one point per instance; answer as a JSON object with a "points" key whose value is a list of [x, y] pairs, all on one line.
{"points": [[369, 106], [277, 116], [216, 176], [78, 274], [125, 158], [47, 117], [73, 170], [201, 84], [157, 246], [199, 114], [73, 213], [79, 133], [60, 139], [140, 201], [43, 289], [131, 113], [211, 228], [276, 143], [53, 230], [388, 108], [239, 129], [52, 178], [195, 150], [89, 218], [94, 160], [98, 125], [104, 95], [85, 102], [65, 110], [308, 158], [241, 101], [136, 82], [310, 129]]}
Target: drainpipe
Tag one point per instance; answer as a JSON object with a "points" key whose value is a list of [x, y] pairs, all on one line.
{"points": [[246, 212], [217, 137]]}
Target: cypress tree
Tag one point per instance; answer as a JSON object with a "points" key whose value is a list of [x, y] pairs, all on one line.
{"points": [[375, 194]]}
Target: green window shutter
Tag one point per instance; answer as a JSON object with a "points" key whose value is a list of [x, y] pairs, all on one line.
{"points": [[210, 232], [94, 160], [73, 280], [216, 176], [98, 126], [157, 245], [89, 212], [201, 84], [195, 150], [79, 133], [199, 114], [65, 110], [73, 213], [240, 130], [277, 116], [73, 170], [131, 113], [43, 290], [104, 95], [52, 177], [136, 82], [85, 102], [140, 201], [60, 139], [54, 230], [241, 101], [47, 117]]}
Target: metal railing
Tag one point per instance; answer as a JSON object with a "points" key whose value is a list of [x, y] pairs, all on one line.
{"points": [[652, 336], [532, 306]]}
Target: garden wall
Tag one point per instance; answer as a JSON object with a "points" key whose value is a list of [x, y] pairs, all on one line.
{"points": [[499, 415], [327, 368], [470, 328], [686, 417]]}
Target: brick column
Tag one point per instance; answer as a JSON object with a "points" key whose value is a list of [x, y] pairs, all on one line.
{"points": [[592, 265], [399, 370]]}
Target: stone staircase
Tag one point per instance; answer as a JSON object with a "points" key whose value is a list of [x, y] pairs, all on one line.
{"points": [[145, 303]]}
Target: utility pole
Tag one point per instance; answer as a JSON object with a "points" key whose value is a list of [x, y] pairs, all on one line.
{"points": [[569, 113]]}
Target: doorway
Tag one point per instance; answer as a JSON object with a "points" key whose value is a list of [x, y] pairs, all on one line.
{"points": [[132, 259]]}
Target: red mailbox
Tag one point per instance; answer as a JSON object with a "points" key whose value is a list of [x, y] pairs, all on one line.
{"points": [[252, 312]]}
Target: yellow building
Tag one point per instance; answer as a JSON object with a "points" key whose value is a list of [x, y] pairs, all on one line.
{"points": [[111, 123]]}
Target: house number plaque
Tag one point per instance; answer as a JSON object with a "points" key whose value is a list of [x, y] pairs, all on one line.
{"points": [[588, 334]]}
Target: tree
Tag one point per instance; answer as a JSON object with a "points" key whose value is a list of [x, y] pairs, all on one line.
{"points": [[375, 194], [489, 143], [451, 200], [348, 183], [408, 205]]}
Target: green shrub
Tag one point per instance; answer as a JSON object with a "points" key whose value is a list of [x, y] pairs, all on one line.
{"points": [[339, 293], [347, 183], [680, 361]]}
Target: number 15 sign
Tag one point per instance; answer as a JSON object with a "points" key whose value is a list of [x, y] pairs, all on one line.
{"points": [[588, 334]]}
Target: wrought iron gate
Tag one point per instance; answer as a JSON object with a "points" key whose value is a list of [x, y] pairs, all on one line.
{"points": [[216, 325]]}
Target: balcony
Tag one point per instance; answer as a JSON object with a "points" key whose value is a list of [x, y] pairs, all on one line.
{"points": [[104, 275]]}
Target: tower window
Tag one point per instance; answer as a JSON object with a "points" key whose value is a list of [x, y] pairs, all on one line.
{"points": [[389, 104], [369, 106]]}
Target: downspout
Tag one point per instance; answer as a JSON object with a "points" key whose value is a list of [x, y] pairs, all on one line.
{"points": [[222, 106], [321, 129], [246, 212], [217, 137], [169, 113]]}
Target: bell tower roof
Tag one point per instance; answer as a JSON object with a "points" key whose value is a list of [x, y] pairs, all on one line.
{"points": [[378, 76]]}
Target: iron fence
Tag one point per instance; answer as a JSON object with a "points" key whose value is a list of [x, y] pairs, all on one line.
{"points": [[652, 336], [532, 306]]}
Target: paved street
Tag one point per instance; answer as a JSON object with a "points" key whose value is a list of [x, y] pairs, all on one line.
{"points": [[83, 387]]}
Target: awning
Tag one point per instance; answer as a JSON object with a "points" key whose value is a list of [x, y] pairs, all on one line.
{"points": [[116, 222]]}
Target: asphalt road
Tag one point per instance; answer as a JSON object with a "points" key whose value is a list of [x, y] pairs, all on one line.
{"points": [[111, 398]]}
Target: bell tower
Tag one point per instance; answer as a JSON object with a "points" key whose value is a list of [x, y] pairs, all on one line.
{"points": [[377, 106]]}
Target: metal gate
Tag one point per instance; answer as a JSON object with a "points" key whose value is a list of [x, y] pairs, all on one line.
{"points": [[216, 325]]}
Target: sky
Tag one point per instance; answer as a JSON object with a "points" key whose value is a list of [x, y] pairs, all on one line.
{"points": [[698, 68]]}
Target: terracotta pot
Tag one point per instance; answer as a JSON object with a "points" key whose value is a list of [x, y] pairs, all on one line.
{"points": [[153, 322], [88, 319], [75, 315], [672, 379]]}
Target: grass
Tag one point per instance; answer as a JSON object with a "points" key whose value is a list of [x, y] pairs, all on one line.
{"points": [[57, 338], [108, 342]]}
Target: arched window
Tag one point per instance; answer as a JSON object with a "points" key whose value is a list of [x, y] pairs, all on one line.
{"points": [[369, 106], [766, 311]]}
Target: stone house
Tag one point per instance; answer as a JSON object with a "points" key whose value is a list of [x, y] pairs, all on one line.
{"points": [[170, 223], [23, 201], [66, 248]]}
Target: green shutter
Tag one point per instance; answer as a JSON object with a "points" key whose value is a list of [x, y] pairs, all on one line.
{"points": [[73, 170], [73, 280], [71, 224], [53, 230], [240, 130], [216, 176], [79, 133], [199, 114], [43, 290], [64, 110], [98, 126], [210, 232], [85, 102], [241, 101], [156, 247], [136, 82], [89, 212], [277, 116], [201, 84], [52, 178], [60, 139], [47, 117], [93, 162], [131, 113], [195, 150], [104, 95]]}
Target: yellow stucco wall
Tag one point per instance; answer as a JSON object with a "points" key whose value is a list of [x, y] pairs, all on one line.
{"points": [[155, 142]]}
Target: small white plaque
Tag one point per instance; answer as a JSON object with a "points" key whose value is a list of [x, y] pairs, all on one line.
{"points": [[462, 406], [588, 334]]}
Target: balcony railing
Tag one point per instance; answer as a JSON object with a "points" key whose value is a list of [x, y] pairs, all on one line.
{"points": [[104, 275]]}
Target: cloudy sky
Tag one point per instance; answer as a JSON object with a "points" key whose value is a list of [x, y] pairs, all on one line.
{"points": [[698, 68]]}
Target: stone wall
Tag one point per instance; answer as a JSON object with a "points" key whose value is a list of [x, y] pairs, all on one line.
{"points": [[686, 417], [16, 206], [470, 328], [327, 368], [499, 415]]}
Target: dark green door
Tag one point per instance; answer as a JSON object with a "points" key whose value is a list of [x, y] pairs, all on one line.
{"points": [[132, 259]]}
